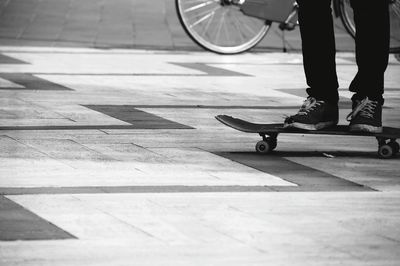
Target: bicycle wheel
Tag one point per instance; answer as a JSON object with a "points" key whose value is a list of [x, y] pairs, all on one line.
{"points": [[219, 25], [346, 15]]}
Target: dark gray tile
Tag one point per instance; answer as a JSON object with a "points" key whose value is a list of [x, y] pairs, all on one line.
{"points": [[137, 118], [211, 70], [18, 223], [4, 59], [31, 82], [307, 179]]}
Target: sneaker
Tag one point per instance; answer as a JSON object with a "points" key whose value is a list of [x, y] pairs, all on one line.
{"points": [[366, 116], [313, 115]]}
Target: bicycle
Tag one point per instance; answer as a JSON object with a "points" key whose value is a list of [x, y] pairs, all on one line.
{"points": [[236, 26]]}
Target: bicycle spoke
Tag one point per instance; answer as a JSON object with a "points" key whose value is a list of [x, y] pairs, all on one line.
{"points": [[226, 29], [239, 28], [247, 30], [395, 7], [204, 12], [397, 11], [247, 26], [193, 8], [201, 20], [205, 29], [255, 22], [219, 27], [395, 24], [191, 13]]}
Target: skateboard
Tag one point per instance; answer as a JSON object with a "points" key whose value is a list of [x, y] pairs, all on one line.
{"points": [[387, 145]]}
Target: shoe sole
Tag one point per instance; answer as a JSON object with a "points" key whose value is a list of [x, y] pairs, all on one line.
{"points": [[365, 128], [311, 127]]}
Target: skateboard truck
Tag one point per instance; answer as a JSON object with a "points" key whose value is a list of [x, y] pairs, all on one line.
{"points": [[268, 144]]}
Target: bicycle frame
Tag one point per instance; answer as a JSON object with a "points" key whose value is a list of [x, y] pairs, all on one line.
{"points": [[287, 22], [270, 10]]}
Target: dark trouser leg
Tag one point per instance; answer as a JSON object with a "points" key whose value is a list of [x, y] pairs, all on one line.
{"points": [[318, 45], [372, 47]]}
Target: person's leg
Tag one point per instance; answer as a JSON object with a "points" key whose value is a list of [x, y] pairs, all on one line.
{"points": [[372, 52], [319, 50], [372, 48], [320, 110]]}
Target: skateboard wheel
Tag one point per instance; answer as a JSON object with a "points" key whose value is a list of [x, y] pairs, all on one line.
{"points": [[263, 147], [385, 151], [267, 145]]}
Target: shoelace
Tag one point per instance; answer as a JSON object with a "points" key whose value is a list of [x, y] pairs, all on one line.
{"points": [[365, 109], [309, 105]]}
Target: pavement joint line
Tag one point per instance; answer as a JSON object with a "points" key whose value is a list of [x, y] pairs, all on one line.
{"points": [[95, 127], [126, 74], [181, 49], [167, 189], [95, 51], [137, 74], [264, 107], [214, 107]]}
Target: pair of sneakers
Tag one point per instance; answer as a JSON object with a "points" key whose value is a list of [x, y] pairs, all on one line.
{"points": [[314, 114]]}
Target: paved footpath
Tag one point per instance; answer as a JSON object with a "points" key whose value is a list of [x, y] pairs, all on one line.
{"points": [[113, 157], [117, 23]]}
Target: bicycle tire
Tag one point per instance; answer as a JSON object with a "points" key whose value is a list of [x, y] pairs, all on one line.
{"points": [[204, 21], [346, 16]]}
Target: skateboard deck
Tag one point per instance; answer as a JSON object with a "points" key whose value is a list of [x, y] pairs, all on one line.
{"points": [[388, 147]]}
